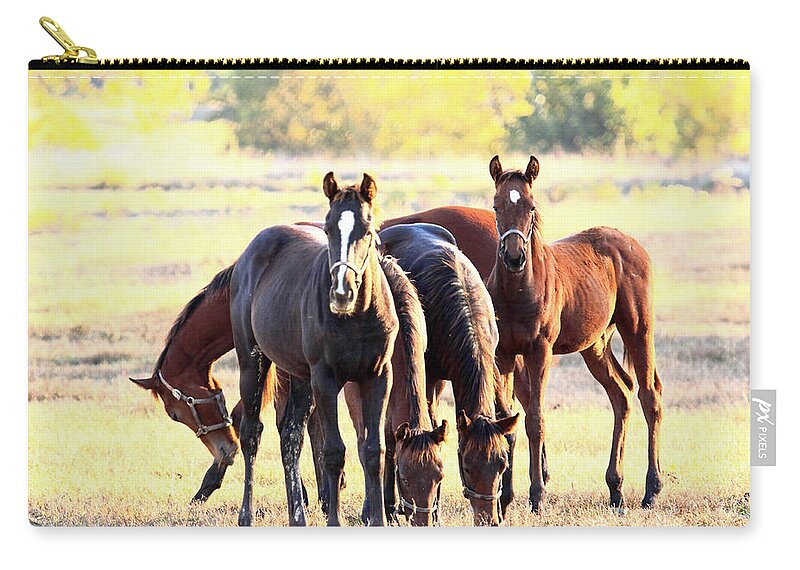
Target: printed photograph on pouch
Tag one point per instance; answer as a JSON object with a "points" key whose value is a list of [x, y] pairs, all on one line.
{"points": [[407, 297]]}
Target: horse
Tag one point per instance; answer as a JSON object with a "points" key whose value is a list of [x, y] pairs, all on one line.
{"points": [[182, 375], [462, 336], [559, 293], [321, 310]]}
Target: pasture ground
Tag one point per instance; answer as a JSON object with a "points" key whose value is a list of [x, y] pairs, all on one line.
{"points": [[109, 268]]}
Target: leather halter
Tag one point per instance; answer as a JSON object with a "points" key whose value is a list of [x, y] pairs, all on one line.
{"points": [[359, 271], [219, 398], [412, 506], [513, 231]]}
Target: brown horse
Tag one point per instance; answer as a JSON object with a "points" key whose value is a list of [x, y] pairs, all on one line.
{"points": [[322, 311], [570, 297], [462, 337], [182, 375]]}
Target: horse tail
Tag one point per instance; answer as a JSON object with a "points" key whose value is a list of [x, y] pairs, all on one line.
{"points": [[414, 339]]}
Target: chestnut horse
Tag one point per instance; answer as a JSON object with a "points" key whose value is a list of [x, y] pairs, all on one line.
{"points": [[322, 311], [570, 297]]}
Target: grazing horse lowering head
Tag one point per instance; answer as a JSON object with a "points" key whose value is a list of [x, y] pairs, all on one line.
{"points": [[420, 471], [482, 460], [351, 239], [196, 400], [515, 212]]}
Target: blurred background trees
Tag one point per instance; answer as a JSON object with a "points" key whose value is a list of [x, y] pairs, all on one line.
{"points": [[400, 115]]}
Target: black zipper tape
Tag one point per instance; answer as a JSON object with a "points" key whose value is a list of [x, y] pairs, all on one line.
{"points": [[401, 64]]}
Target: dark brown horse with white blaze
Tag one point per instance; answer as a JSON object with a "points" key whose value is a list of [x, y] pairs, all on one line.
{"points": [[570, 297], [322, 311]]}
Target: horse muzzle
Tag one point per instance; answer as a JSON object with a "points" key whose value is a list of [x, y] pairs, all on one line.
{"points": [[342, 303], [514, 265]]}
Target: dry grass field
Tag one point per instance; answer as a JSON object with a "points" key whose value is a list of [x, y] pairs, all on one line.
{"points": [[110, 267]]}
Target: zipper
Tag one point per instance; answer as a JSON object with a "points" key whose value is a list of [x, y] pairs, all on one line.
{"points": [[79, 57]]}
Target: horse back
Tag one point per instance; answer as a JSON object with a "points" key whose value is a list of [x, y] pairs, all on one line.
{"points": [[474, 230]]}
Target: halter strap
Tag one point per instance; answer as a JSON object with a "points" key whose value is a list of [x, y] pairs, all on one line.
{"points": [[412, 506], [359, 271], [219, 398], [512, 231]]}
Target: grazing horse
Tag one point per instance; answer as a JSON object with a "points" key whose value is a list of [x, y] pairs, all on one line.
{"points": [[322, 311], [462, 336], [182, 376]]}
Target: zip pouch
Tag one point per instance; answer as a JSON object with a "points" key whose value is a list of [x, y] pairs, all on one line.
{"points": [[385, 292]]}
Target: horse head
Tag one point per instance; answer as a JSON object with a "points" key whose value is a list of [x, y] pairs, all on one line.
{"points": [[482, 460], [196, 400], [351, 239], [420, 471], [515, 212]]}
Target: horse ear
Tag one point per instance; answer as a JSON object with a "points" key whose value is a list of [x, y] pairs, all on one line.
{"points": [[532, 171], [507, 425], [368, 188], [494, 168], [329, 186], [146, 383], [403, 432], [439, 435], [462, 421]]}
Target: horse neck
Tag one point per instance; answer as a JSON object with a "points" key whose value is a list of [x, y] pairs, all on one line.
{"points": [[473, 392], [202, 338]]}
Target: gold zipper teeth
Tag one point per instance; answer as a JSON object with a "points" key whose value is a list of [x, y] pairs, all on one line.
{"points": [[392, 63]]}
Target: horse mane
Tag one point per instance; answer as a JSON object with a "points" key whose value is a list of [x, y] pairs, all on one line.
{"points": [[414, 338], [219, 284], [484, 437], [454, 302], [421, 446]]}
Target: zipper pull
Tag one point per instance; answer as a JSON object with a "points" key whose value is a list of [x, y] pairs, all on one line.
{"points": [[72, 52]]}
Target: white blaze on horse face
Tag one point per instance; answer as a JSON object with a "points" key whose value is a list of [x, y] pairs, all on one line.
{"points": [[514, 195], [347, 221]]}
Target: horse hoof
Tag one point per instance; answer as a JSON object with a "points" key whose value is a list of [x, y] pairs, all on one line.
{"points": [[536, 501], [649, 502], [619, 510], [245, 519]]}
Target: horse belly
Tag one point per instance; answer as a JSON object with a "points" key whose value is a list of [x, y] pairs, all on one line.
{"points": [[583, 323], [276, 328]]}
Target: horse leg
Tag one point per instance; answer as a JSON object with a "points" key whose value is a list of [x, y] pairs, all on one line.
{"points": [[316, 438], [252, 379], [537, 363], [211, 482], [352, 397], [619, 387], [326, 389], [292, 429], [504, 401], [374, 396], [640, 349], [434, 389], [389, 496], [216, 473]]}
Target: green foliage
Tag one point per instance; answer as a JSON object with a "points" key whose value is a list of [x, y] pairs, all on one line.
{"points": [[570, 115]]}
